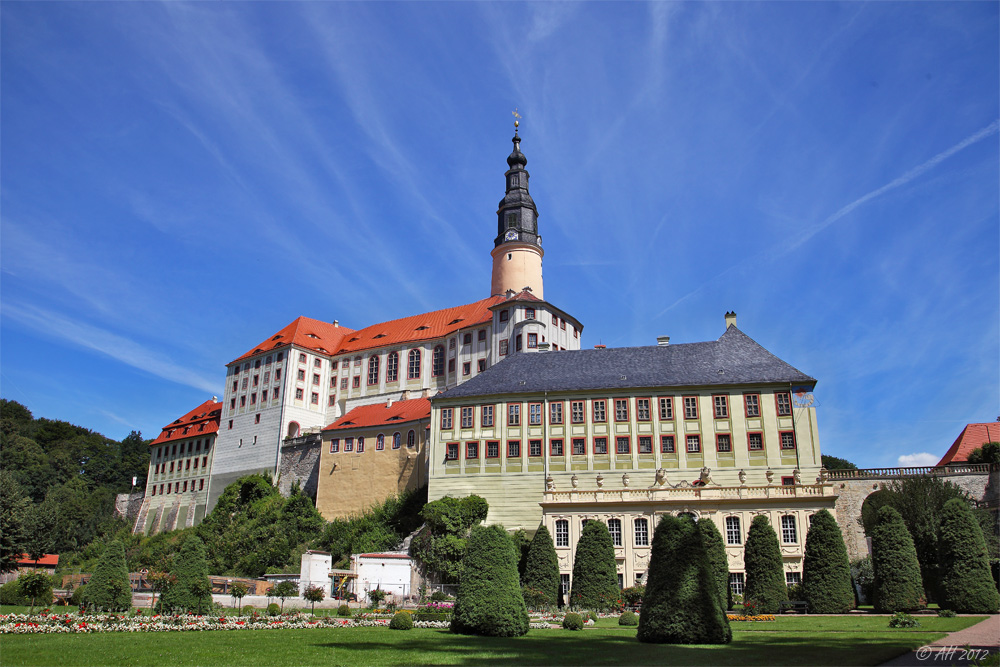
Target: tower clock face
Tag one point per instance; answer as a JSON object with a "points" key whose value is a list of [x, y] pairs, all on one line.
{"points": [[511, 235]]}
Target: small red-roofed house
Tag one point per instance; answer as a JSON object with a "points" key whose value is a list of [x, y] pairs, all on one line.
{"points": [[372, 453], [46, 564], [972, 437]]}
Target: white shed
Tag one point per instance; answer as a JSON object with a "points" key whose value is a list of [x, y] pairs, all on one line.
{"points": [[390, 572]]}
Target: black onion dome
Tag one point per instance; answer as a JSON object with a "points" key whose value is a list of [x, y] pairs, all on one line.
{"points": [[516, 157]]}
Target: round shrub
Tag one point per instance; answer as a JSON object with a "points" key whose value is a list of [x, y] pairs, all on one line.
{"points": [[946, 613], [248, 610], [273, 609], [826, 570], [489, 599], [344, 610], [903, 620], [590, 616], [628, 618], [897, 585], [573, 621], [401, 621], [10, 593]]}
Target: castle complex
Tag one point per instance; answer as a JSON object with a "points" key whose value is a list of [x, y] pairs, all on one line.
{"points": [[497, 398]]}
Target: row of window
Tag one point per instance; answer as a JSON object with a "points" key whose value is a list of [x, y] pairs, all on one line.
{"points": [[275, 393], [181, 465], [358, 445], [267, 362], [640, 531], [621, 409], [265, 378], [192, 447], [623, 445], [175, 487]]}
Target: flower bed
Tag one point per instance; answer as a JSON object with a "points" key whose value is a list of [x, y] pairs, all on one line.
{"points": [[79, 623], [757, 617]]}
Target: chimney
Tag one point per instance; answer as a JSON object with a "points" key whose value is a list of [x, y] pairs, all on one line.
{"points": [[336, 323], [388, 403], [215, 399], [730, 319], [600, 347], [663, 341]]}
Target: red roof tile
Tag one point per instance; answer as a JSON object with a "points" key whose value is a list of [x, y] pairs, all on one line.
{"points": [[46, 560], [425, 326], [379, 415], [203, 420], [322, 337], [973, 436]]}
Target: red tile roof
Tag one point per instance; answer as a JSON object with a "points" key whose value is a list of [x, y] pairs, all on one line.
{"points": [[46, 560], [322, 337], [203, 420], [973, 436], [380, 415], [425, 326]]}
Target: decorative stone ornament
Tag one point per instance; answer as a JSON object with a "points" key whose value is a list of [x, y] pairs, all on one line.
{"points": [[824, 475], [661, 476], [770, 476], [743, 476], [625, 480], [706, 475], [574, 480], [797, 476], [600, 480], [550, 484]]}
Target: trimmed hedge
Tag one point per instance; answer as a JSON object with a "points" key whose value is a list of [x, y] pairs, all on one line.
{"points": [[826, 571], [431, 616], [595, 571], [402, 620], [967, 585], [489, 599], [541, 571], [572, 621], [628, 618], [681, 604], [110, 589], [765, 575], [897, 585], [715, 552]]}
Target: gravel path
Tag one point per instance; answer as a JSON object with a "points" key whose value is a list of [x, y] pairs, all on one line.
{"points": [[965, 647]]}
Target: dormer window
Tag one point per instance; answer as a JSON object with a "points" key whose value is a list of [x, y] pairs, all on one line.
{"points": [[422, 327]]}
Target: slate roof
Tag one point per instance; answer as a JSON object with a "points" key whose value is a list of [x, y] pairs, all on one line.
{"points": [[734, 358], [972, 437], [203, 420]]}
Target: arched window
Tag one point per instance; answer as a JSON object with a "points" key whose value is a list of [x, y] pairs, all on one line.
{"points": [[380, 442], [293, 429], [437, 368], [396, 440], [411, 438], [373, 369], [413, 369], [392, 367]]}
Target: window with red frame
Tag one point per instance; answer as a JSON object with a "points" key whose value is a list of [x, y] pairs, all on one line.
{"points": [[482, 335], [556, 447], [555, 413], [622, 445], [492, 449], [600, 412], [356, 381], [576, 412], [534, 414], [787, 439], [751, 404], [532, 341], [600, 445], [314, 398], [642, 409], [392, 367], [413, 365], [529, 313], [451, 365], [451, 451], [645, 444], [373, 364], [720, 404], [503, 348], [467, 339], [621, 409], [481, 365], [690, 407], [472, 450], [513, 449], [755, 441], [783, 403], [467, 417], [467, 368], [446, 418], [486, 416], [335, 445], [693, 444], [723, 442], [534, 448], [514, 414], [667, 444], [579, 446]]}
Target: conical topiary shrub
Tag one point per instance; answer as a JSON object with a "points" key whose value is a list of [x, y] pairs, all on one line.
{"points": [[191, 591], [826, 571], [765, 576], [682, 602], [595, 571], [109, 589], [897, 585], [541, 571], [715, 552], [966, 583], [489, 598]]}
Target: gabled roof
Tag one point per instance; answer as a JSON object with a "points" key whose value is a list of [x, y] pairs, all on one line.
{"points": [[378, 414], [972, 437], [47, 560], [203, 420], [734, 358], [305, 332], [425, 326]]}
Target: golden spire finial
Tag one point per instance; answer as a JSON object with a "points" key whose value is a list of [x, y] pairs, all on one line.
{"points": [[517, 116]]}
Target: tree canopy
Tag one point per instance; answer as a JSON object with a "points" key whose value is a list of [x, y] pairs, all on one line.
{"points": [[440, 545]]}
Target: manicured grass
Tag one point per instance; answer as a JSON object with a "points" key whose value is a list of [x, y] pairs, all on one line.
{"points": [[790, 641]]}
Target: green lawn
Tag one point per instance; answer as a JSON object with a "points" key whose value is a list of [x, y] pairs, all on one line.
{"points": [[800, 640]]}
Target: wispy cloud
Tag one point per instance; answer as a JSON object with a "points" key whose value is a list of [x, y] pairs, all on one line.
{"points": [[813, 230], [115, 346]]}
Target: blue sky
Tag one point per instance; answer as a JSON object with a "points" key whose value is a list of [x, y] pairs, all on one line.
{"points": [[178, 181]]}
